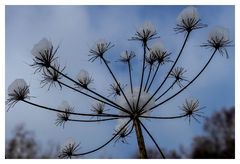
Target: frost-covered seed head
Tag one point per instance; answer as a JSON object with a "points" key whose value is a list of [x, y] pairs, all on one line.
{"points": [[98, 49], [188, 20], [62, 118], [145, 33], [68, 149], [218, 39], [18, 90], [84, 79], [122, 131], [115, 90], [150, 59], [98, 107], [126, 56], [133, 98], [43, 54], [158, 50]]}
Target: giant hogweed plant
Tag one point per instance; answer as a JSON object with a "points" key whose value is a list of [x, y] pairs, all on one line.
{"points": [[128, 104]]}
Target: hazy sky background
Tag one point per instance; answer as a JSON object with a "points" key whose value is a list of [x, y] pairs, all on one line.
{"points": [[75, 29]]}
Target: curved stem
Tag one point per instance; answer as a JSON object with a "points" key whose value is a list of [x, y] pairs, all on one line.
{"points": [[109, 69], [175, 62], [187, 84], [164, 118], [95, 98], [73, 113], [94, 150], [153, 140], [166, 91], [99, 120], [74, 81], [149, 73], [155, 73], [143, 70]]}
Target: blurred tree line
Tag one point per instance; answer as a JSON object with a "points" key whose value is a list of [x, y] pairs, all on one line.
{"points": [[217, 142], [23, 145]]}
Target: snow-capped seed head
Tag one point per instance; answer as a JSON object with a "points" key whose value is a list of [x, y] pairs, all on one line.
{"points": [[126, 56], [122, 130], [133, 99], [62, 118], [115, 89], [150, 59], [188, 20], [159, 51], [84, 79], [42, 47], [43, 54], [98, 49], [98, 107], [68, 149], [18, 90], [218, 39], [145, 33]]}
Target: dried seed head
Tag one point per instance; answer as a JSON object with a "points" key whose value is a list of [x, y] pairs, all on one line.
{"points": [[68, 149], [18, 90], [44, 54], [188, 20], [158, 50], [84, 79], [178, 74], [62, 118], [126, 56]]}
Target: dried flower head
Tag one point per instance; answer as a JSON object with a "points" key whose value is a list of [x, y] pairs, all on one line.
{"points": [[178, 74], [121, 131], [126, 56], [188, 20], [52, 76], [150, 59], [99, 49], [158, 50], [191, 109], [145, 33], [98, 108], [115, 90], [218, 39], [83, 79], [68, 149], [62, 118], [18, 90], [44, 54], [133, 99]]}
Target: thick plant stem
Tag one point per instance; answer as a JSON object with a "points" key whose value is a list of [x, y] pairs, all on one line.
{"points": [[140, 139]]}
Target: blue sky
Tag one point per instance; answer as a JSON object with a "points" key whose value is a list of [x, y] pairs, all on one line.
{"points": [[75, 29]]}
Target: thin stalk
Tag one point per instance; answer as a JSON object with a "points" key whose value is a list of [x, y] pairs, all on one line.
{"points": [[73, 113], [187, 84], [143, 70], [94, 150], [140, 139], [115, 79], [95, 98], [149, 73], [130, 76], [74, 81], [155, 73], [175, 62], [153, 140], [164, 118], [166, 91], [98, 120]]}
